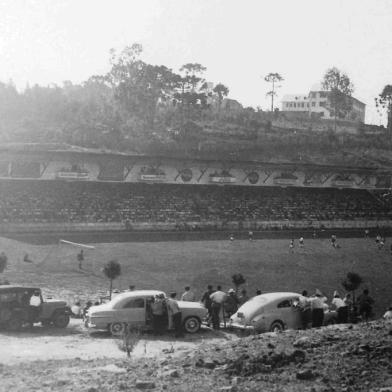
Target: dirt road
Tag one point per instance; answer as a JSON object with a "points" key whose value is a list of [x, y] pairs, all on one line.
{"points": [[41, 343]]}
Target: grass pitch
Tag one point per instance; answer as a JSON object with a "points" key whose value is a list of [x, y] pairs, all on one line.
{"points": [[267, 265]]}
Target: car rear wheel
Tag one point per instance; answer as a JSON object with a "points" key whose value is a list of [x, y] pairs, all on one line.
{"points": [[117, 329], [61, 320], [277, 326], [191, 324]]}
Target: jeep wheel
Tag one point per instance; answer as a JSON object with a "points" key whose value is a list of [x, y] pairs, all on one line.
{"points": [[61, 320], [14, 324], [117, 329], [191, 324]]}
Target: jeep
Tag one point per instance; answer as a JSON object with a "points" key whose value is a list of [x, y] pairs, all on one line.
{"points": [[16, 311]]}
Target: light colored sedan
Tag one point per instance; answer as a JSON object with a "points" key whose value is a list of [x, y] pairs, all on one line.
{"points": [[132, 309], [272, 312]]}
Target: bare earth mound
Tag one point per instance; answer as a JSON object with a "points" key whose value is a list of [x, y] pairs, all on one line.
{"points": [[337, 358]]}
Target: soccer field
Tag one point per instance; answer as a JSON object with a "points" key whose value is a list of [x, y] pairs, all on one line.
{"points": [[266, 264]]}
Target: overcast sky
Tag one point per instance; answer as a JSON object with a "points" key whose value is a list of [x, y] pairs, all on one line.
{"points": [[239, 41]]}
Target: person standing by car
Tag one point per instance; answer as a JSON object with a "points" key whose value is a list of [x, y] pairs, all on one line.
{"points": [[243, 297], [217, 298], [174, 314], [207, 302], [157, 310], [35, 304], [365, 305], [341, 308], [188, 295], [304, 304], [230, 303], [317, 306]]}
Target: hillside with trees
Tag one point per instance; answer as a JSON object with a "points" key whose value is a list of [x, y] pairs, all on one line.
{"points": [[146, 108]]}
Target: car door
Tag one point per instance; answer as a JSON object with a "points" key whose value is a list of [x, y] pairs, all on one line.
{"points": [[132, 311], [289, 314]]}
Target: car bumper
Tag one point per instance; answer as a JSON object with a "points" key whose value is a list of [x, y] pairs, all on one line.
{"points": [[242, 327]]}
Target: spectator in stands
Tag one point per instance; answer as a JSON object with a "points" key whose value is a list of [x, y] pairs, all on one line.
{"points": [[258, 292]]}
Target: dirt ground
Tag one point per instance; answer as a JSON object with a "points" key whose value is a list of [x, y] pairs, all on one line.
{"points": [[75, 342]]}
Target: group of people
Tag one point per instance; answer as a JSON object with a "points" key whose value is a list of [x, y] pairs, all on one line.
{"points": [[222, 304], [165, 314], [313, 308]]}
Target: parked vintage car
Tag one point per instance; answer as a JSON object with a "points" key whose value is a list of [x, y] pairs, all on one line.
{"points": [[15, 309], [132, 308], [273, 312]]}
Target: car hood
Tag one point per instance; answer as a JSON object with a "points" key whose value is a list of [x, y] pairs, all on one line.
{"points": [[99, 308]]}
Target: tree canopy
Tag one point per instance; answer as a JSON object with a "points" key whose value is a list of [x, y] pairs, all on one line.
{"points": [[340, 89]]}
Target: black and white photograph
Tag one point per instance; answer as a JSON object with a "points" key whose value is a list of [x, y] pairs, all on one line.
{"points": [[195, 195]]}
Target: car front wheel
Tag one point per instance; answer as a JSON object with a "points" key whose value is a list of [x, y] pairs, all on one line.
{"points": [[192, 324], [117, 329], [61, 320], [277, 326]]}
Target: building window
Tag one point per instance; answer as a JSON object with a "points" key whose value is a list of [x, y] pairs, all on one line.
{"points": [[323, 94], [313, 104]]}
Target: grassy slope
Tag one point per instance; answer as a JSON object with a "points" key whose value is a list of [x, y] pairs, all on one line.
{"points": [[266, 264]]}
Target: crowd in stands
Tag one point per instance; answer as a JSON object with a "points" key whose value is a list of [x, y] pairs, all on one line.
{"points": [[79, 202]]}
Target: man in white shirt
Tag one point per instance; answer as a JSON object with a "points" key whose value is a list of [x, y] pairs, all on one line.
{"points": [[217, 298], [188, 295], [35, 305], [341, 307]]}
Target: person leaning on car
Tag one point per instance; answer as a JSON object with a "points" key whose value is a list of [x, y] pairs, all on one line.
{"points": [[304, 303], [317, 306], [218, 298]]}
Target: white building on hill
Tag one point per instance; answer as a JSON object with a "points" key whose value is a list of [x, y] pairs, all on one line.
{"points": [[317, 102]]}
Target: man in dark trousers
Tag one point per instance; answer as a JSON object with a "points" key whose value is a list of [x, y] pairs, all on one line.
{"points": [[207, 302], [175, 314], [365, 305]]}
